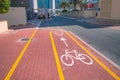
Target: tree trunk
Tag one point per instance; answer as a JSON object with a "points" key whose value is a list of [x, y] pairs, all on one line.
{"points": [[64, 8], [75, 4], [81, 6]]}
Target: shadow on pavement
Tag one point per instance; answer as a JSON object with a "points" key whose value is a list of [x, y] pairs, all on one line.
{"points": [[62, 22], [16, 27], [82, 22]]}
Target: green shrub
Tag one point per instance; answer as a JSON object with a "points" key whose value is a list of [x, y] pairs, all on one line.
{"points": [[64, 10], [4, 6]]}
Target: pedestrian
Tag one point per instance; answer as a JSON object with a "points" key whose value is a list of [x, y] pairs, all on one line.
{"points": [[48, 15], [96, 14]]}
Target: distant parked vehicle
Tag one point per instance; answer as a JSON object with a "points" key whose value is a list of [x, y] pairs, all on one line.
{"points": [[42, 13], [90, 5]]}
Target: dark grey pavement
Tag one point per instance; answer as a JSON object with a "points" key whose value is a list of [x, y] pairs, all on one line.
{"points": [[102, 38]]}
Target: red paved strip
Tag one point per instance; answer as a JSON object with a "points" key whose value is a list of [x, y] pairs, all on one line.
{"points": [[10, 49], [10, 73], [38, 62], [57, 60], [79, 70], [106, 68]]}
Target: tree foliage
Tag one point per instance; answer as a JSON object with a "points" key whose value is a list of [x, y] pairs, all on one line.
{"points": [[78, 2], [64, 5], [74, 3], [4, 6]]}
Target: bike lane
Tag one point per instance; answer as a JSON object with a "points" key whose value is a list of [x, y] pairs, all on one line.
{"points": [[10, 47], [42, 59], [99, 69], [38, 61]]}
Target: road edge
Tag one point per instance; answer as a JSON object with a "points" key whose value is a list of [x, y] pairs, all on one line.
{"points": [[99, 53]]}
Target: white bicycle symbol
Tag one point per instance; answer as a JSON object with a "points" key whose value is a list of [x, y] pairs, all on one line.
{"points": [[67, 58]]}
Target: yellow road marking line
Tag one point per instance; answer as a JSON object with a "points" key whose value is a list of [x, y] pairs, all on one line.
{"points": [[96, 59], [10, 73], [59, 68]]}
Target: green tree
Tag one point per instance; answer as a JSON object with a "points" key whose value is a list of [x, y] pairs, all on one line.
{"points": [[82, 5], [75, 2], [64, 5], [70, 4], [4, 6], [78, 2]]}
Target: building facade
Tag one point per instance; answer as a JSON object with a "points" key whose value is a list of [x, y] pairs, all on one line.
{"points": [[22, 3], [45, 4], [109, 9], [49, 4], [58, 2], [104, 9]]}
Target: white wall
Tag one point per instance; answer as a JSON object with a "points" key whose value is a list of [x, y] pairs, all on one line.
{"points": [[3, 26], [16, 16], [114, 11]]}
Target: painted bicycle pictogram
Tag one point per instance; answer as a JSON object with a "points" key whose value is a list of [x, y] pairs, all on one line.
{"points": [[59, 33], [68, 59]]}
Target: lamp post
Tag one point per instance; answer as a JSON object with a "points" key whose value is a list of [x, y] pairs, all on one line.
{"points": [[53, 7], [35, 5]]}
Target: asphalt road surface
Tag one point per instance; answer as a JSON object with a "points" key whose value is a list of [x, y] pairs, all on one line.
{"points": [[102, 38]]}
